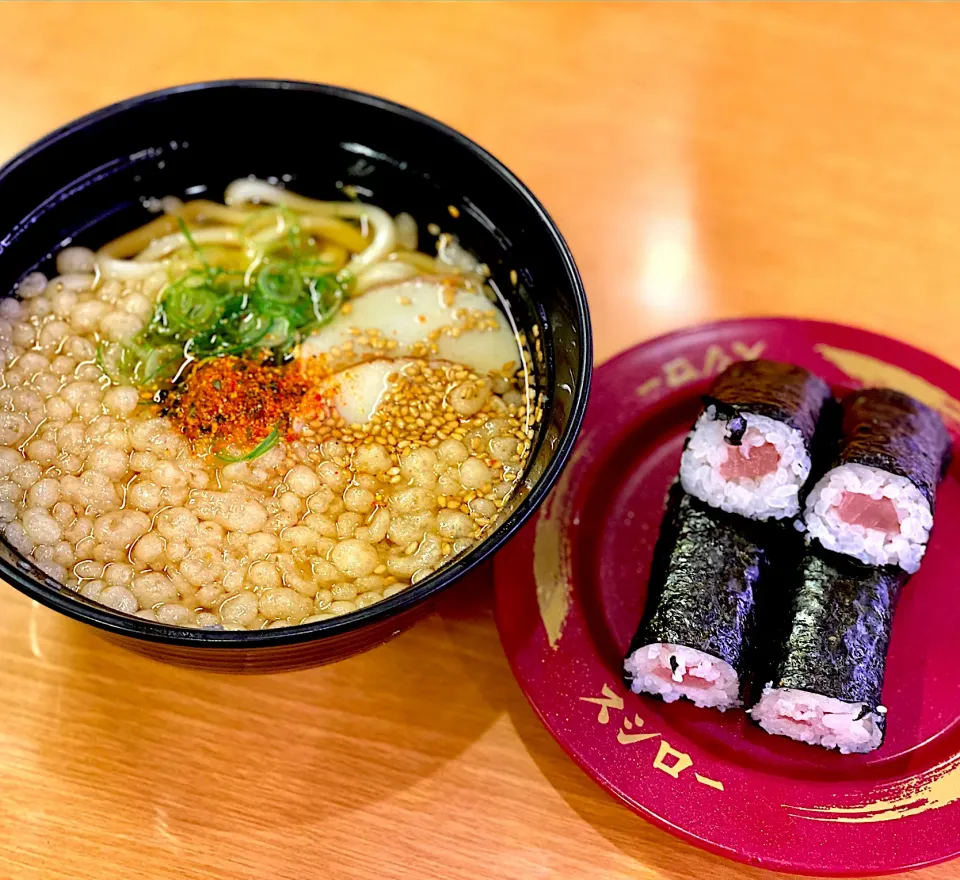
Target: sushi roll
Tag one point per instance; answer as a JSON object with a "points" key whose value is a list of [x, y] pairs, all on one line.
{"points": [[750, 449], [827, 672], [693, 639], [876, 502]]}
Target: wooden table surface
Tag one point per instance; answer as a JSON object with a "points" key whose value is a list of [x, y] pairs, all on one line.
{"points": [[703, 162]]}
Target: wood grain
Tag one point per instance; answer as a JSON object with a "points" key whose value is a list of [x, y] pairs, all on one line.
{"points": [[704, 161]]}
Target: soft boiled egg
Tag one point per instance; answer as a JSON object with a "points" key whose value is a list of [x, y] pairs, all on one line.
{"points": [[407, 314], [356, 392]]}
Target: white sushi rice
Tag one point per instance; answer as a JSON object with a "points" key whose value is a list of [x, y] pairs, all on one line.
{"points": [[774, 495], [707, 681], [818, 720], [873, 546]]}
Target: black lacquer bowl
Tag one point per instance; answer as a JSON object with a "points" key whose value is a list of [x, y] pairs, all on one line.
{"points": [[88, 181]]}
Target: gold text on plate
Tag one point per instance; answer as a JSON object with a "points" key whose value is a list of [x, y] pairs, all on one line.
{"points": [[683, 370], [668, 759]]}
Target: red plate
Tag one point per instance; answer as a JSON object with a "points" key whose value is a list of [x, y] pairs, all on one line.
{"points": [[572, 585]]}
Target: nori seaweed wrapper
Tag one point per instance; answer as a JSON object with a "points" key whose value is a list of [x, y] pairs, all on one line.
{"points": [[892, 431], [706, 572], [783, 392], [837, 630]]}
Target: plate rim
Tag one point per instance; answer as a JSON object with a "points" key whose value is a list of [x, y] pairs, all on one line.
{"points": [[596, 775]]}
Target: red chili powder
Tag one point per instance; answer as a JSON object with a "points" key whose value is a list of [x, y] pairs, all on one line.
{"points": [[235, 400]]}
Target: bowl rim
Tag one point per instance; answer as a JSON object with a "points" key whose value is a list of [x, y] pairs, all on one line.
{"points": [[127, 625]]}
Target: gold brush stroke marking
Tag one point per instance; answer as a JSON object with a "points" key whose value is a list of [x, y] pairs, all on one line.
{"points": [[551, 553], [873, 372], [930, 790]]}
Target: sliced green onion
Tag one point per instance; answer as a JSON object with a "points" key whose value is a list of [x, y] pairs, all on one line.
{"points": [[263, 446], [269, 229], [195, 308], [326, 297], [113, 361], [314, 266], [190, 240], [158, 363], [214, 312], [281, 282], [278, 333], [251, 329]]}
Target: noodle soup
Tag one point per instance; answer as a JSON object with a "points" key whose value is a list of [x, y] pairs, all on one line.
{"points": [[258, 414]]}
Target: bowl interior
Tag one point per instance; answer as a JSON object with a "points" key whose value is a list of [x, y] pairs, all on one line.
{"points": [[92, 180]]}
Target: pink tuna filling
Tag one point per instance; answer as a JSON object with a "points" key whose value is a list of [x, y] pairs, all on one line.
{"points": [[763, 460], [688, 678], [871, 513]]}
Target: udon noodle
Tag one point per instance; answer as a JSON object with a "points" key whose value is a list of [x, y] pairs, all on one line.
{"points": [[261, 413]]}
